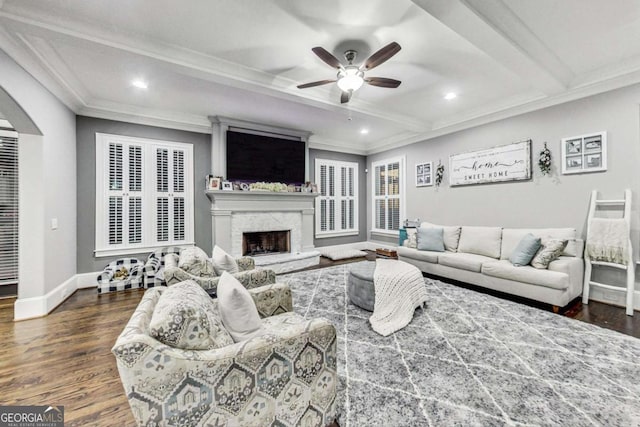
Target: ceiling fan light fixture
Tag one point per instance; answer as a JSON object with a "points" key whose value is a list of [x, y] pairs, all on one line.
{"points": [[351, 79]]}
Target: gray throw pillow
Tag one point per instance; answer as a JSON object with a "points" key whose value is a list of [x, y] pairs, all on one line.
{"points": [[551, 250], [430, 239], [525, 251], [185, 317]]}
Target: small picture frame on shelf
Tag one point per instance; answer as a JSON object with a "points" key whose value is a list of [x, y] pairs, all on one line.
{"points": [[227, 186], [214, 183], [584, 153], [424, 174]]}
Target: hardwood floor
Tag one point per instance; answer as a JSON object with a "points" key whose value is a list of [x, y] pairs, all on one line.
{"points": [[65, 358]]}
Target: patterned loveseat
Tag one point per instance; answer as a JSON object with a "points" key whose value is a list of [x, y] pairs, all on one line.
{"points": [[286, 377], [249, 275]]}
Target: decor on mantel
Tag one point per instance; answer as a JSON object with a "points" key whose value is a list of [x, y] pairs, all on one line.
{"points": [[510, 162], [268, 186], [439, 173], [544, 161], [213, 182]]}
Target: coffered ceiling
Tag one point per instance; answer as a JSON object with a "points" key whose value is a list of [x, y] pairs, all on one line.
{"points": [[244, 58]]}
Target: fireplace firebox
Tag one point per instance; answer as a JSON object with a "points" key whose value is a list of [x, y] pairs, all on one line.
{"points": [[266, 242]]}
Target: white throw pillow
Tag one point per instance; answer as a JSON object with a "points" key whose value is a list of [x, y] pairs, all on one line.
{"points": [[238, 311], [222, 261], [481, 241]]}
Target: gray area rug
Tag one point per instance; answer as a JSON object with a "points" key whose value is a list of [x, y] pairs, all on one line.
{"points": [[470, 359]]}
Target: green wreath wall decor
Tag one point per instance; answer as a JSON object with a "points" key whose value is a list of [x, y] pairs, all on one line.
{"points": [[544, 161]]}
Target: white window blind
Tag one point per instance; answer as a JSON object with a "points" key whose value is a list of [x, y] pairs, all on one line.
{"points": [[388, 194], [337, 204], [8, 208], [144, 197]]}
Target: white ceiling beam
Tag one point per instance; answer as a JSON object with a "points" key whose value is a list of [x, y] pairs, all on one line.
{"points": [[493, 28]]}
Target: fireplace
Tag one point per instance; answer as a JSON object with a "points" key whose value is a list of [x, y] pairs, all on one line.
{"points": [[266, 242]]}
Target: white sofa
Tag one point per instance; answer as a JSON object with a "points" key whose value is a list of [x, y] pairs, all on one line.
{"points": [[480, 256]]}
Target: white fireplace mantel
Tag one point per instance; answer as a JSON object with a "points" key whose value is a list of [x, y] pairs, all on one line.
{"points": [[235, 212]]}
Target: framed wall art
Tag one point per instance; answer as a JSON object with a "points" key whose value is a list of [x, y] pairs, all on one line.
{"points": [[584, 153], [424, 174], [510, 162]]}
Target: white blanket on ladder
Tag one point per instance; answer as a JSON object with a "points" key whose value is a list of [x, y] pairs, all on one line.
{"points": [[608, 240], [399, 290]]}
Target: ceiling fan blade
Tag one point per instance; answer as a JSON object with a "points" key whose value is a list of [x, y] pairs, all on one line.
{"points": [[345, 97], [383, 82], [382, 55], [318, 83], [327, 57]]}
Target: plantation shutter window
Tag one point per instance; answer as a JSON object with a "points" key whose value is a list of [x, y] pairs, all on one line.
{"points": [[388, 191], [8, 208], [336, 206], [144, 198]]}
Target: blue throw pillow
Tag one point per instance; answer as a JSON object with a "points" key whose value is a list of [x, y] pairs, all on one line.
{"points": [[430, 239], [525, 251]]}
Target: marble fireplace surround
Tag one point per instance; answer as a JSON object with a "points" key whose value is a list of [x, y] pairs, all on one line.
{"points": [[237, 212]]}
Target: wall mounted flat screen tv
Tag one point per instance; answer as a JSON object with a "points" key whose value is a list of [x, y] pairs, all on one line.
{"points": [[254, 158]]}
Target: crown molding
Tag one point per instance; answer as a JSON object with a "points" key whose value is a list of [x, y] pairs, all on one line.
{"points": [[207, 67], [264, 127], [319, 143], [146, 116]]}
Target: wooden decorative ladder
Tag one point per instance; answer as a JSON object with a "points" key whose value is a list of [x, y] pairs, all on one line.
{"points": [[629, 266]]}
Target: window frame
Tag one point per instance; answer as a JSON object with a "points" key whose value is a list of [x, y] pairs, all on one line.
{"points": [[338, 198], [149, 195], [400, 196]]}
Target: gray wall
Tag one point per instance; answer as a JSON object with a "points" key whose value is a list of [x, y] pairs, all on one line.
{"points": [[362, 188], [544, 201], [86, 128]]}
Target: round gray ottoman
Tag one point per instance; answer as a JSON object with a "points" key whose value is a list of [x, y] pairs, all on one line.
{"points": [[360, 285]]}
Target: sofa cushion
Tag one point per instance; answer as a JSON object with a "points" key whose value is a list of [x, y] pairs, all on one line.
{"points": [[548, 252], [505, 270], [464, 261], [237, 309], [451, 235], [195, 261], [430, 239], [512, 236], [481, 241], [222, 261], [426, 256], [525, 251], [185, 317]]}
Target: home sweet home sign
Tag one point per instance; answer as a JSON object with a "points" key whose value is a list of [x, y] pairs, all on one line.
{"points": [[504, 163]]}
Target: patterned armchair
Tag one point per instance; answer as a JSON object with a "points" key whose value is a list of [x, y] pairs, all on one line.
{"points": [[286, 377], [249, 276], [154, 267]]}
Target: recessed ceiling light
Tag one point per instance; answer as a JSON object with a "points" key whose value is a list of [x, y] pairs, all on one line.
{"points": [[140, 84], [364, 131], [450, 96]]}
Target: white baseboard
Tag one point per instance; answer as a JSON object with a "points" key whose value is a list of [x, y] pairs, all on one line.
{"points": [[87, 280], [618, 298], [28, 308]]}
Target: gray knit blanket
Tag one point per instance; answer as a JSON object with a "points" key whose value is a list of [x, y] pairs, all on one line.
{"points": [[400, 289]]}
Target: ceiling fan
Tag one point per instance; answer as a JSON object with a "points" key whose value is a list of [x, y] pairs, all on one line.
{"points": [[351, 77]]}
